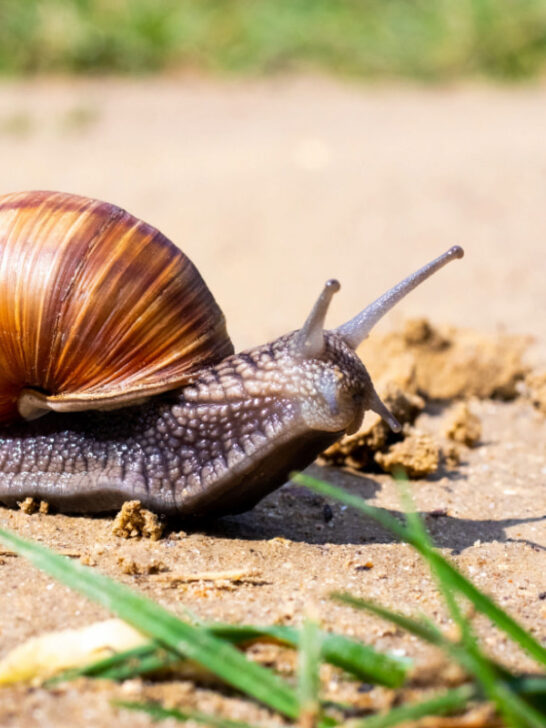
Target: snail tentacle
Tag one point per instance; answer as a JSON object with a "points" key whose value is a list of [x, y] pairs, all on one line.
{"points": [[310, 340], [357, 329]]}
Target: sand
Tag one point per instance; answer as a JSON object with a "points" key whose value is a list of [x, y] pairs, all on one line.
{"points": [[272, 187]]}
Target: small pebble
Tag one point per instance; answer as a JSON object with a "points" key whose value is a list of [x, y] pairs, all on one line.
{"points": [[327, 513]]}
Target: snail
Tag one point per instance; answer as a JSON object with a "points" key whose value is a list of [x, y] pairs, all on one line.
{"points": [[108, 329]]}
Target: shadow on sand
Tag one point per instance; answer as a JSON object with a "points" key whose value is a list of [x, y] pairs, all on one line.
{"points": [[295, 513]]}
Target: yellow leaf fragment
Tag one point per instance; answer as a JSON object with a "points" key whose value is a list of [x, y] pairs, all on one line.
{"points": [[40, 658]]}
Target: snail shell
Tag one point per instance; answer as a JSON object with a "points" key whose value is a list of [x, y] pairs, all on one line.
{"points": [[97, 308]]}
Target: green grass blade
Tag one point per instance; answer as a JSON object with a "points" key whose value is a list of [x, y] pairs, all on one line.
{"points": [[447, 702], [532, 689], [423, 629], [308, 673], [157, 712], [458, 582], [363, 662], [355, 657], [514, 710], [121, 665], [426, 632], [496, 614], [157, 659], [198, 644], [444, 574], [497, 683]]}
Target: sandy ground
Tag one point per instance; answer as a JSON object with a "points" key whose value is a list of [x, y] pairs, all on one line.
{"points": [[271, 188]]}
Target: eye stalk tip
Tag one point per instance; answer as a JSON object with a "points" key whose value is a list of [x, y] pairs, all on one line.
{"points": [[333, 285], [394, 424], [456, 252]]}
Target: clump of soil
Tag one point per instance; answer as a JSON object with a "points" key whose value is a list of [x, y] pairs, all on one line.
{"points": [[417, 454], [443, 362], [536, 390], [139, 568], [462, 425], [134, 521], [31, 505]]}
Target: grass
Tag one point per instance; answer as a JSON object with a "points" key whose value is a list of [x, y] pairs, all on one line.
{"points": [[425, 39], [308, 673], [519, 699], [358, 659]]}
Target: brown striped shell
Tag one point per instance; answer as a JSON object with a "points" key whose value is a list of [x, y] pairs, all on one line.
{"points": [[97, 308]]}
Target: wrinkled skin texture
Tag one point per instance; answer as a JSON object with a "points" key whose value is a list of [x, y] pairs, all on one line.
{"points": [[216, 446]]}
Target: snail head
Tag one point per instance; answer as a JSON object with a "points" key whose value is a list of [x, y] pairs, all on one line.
{"points": [[336, 387]]}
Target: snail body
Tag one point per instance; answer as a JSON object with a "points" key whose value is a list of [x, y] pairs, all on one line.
{"points": [[109, 330]]}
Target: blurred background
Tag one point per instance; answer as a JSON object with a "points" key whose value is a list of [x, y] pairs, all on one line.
{"points": [[283, 142]]}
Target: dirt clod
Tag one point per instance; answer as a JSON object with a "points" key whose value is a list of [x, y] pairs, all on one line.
{"points": [[462, 425], [443, 362], [134, 521], [420, 332], [31, 505], [138, 568], [28, 506], [417, 454]]}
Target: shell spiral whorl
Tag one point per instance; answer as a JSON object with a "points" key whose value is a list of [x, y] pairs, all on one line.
{"points": [[96, 306]]}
